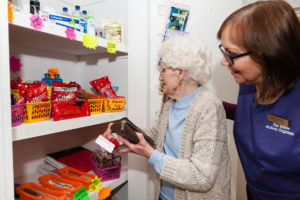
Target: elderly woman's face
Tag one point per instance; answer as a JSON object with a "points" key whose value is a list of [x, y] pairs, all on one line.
{"points": [[170, 79]]}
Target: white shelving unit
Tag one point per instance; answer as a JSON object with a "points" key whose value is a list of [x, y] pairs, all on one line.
{"points": [[52, 38], [48, 45]]}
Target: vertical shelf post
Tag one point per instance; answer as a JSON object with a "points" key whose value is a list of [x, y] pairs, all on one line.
{"points": [[6, 158]]}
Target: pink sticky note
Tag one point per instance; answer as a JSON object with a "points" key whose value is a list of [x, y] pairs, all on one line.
{"points": [[70, 33], [15, 64], [36, 22]]}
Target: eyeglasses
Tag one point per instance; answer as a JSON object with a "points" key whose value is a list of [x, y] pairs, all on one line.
{"points": [[162, 70], [230, 57]]}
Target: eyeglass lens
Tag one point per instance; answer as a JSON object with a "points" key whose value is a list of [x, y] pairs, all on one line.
{"points": [[227, 57]]}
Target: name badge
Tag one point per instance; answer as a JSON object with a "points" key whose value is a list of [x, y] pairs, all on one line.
{"points": [[278, 120]]}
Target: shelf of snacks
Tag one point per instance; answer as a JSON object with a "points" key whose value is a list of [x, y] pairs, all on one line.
{"points": [[30, 130], [53, 37]]}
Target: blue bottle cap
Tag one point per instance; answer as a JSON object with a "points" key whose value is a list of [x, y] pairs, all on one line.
{"points": [[77, 7], [84, 12], [65, 9]]}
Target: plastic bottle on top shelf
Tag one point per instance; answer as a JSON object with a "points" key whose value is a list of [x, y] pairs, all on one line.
{"points": [[76, 15], [65, 11], [57, 78], [47, 79], [32, 7], [83, 21], [37, 6], [91, 24]]}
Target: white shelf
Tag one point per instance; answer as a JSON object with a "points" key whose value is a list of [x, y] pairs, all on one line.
{"points": [[93, 195], [52, 37], [113, 183], [30, 130]]}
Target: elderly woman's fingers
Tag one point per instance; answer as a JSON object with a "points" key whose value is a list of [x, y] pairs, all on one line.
{"points": [[126, 142], [108, 130], [123, 149], [140, 136]]}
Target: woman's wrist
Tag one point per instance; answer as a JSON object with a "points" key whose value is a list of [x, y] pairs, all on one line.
{"points": [[149, 152]]}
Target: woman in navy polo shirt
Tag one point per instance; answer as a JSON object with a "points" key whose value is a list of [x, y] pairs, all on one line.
{"points": [[261, 47]]}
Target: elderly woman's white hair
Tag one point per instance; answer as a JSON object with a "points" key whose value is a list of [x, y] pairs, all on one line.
{"points": [[187, 53]]}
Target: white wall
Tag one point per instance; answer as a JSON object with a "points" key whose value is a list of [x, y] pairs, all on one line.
{"points": [[36, 62], [92, 67], [138, 91]]}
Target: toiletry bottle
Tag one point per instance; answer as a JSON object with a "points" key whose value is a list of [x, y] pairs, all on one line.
{"points": [[91, 24]]}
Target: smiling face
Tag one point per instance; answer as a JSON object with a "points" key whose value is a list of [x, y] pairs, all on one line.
{"points": [[245, 69], [171, 80]]}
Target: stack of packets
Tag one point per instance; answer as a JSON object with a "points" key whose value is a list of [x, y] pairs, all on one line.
{"points": [[67, 184]]}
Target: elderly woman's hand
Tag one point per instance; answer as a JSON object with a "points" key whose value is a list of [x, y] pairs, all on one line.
{"points": [[108, 131], [142, 148]]}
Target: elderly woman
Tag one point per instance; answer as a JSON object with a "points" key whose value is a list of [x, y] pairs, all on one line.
{"points": [[191, 155]]}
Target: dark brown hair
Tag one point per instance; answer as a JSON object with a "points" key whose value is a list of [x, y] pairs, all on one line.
{"points": [[270, 31]]}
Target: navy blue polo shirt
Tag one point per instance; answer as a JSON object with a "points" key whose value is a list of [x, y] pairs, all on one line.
{"points": [[269, 150]]}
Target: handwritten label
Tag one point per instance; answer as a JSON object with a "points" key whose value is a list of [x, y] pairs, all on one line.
{"points": [[36, 22], [70, 33], [111, 47], [89, 41]]}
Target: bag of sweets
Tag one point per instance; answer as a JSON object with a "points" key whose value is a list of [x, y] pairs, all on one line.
{"points": [[103, 87]]}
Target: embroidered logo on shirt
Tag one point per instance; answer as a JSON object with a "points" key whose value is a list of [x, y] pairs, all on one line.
{"points": [[280, 129]]}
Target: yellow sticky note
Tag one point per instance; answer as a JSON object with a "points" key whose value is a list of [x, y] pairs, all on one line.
{"points": [[95, 184], [10, 12], [89, 41], [111, 47]]}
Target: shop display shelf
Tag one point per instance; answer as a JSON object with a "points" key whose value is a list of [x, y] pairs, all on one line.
{"points": [[33, 177], [53, 37], [30, 130]]}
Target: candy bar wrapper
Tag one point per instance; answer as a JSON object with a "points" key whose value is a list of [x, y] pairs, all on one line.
{"points": [[64, 92], [34, 92], [103, 87], [70, 109]]}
